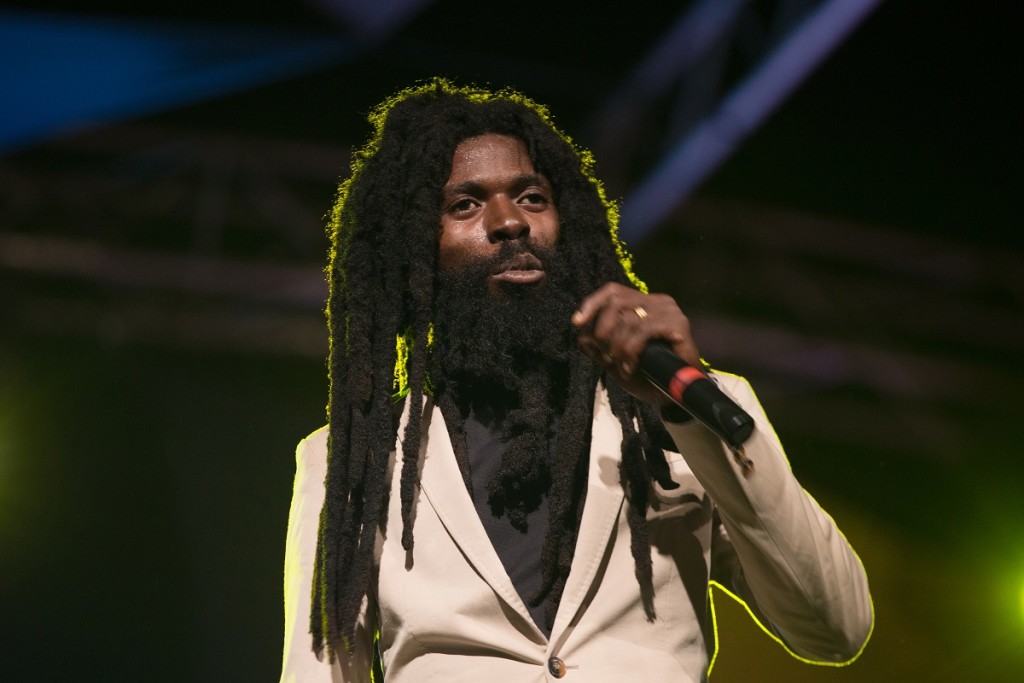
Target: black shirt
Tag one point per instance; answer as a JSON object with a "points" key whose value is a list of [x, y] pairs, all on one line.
{"points": [[519, 551]]}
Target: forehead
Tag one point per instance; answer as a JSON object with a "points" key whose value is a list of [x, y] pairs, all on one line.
{"points": [[488, 156]]}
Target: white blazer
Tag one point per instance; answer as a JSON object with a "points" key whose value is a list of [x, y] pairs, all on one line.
{"points": [[448, 611]]}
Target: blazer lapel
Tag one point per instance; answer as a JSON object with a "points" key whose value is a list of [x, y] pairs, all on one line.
{"points": [[442, 485], [600, 512]]}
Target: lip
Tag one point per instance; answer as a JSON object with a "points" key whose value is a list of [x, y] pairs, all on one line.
{"points": [[519, 277], [524, 269]]}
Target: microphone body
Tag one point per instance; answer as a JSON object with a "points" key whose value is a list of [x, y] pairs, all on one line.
{"points": [[693, 391]]}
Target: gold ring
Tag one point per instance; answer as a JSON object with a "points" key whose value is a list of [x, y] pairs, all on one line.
{"points": [[641, 312]]}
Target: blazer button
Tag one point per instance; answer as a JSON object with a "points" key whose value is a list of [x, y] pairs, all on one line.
{"points": [[557, 667]]}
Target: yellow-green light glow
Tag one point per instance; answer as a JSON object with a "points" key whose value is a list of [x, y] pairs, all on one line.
{"points": [[1022, 602]]}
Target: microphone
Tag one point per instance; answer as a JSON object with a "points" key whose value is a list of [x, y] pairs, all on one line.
{"points": [[691, 389]]}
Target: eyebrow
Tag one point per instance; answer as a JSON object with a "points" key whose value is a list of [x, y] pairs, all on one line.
{"points": [[517, 182]]}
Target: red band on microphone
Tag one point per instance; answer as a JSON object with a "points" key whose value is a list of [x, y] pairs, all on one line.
{"points": [[684, 376]]}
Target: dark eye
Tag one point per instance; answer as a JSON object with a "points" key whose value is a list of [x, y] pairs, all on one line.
{"points": [[537, 198], [461, 206]]}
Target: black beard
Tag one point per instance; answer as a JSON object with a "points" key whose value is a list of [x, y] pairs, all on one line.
{"points": [[504, 357], [499, 339]]}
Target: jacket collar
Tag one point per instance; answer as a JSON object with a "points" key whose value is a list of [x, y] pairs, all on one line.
{"points": [[443, 487]]}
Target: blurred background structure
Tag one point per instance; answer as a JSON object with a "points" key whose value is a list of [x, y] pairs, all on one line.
{"points": [[832, 189]]}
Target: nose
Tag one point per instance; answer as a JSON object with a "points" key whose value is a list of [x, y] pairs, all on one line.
{"points": [[505, 221]]}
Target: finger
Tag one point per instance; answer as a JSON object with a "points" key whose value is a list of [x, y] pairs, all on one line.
{"points": [[607, 320], [589, 346], [658, 317], [632, 338], [598, 350], [617, 323], [593, 303], [629, 336]]}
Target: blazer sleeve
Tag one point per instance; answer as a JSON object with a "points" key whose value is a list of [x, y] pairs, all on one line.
{"points": [[300, 664], [787, 553]]}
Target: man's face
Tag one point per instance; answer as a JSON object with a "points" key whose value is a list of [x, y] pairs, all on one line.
{"points": [[494, 196]]}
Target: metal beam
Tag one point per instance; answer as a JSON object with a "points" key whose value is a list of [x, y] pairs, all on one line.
{"points": [[699, 154]]}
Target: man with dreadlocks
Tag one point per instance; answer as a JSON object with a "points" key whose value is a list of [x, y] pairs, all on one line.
{"points": [[498, 494]]}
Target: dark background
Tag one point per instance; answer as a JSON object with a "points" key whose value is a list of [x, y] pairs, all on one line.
{"points": [[858, 257]]}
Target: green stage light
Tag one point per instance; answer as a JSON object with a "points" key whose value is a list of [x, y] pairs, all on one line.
{"points": [[1022, 602]]}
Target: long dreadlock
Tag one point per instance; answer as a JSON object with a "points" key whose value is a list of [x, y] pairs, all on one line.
{"points": [[383, 260]]}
